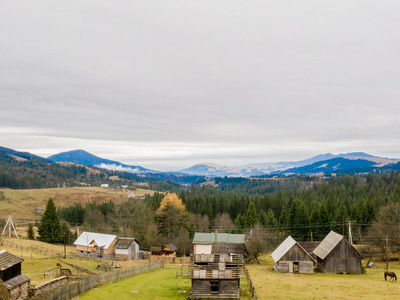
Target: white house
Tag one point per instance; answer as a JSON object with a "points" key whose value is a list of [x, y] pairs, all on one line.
{"points": [[127, 248], [97, 243]]}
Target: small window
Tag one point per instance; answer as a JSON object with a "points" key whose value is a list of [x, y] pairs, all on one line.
{"points": [[214, 285]]}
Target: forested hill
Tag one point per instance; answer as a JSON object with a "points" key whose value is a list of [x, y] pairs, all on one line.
{"points": [[20, 170], [299, 205]]}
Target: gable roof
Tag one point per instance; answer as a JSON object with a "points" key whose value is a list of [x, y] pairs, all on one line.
{"points": [[101, 239], [171, 247], [284, 247], [209, 238], [124, 243], [329, 243], [7, 260]]}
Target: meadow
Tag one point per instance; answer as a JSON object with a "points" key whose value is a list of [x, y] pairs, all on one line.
{"points": [[20, 204], [35, 264], [270, 284], [159, 284]]}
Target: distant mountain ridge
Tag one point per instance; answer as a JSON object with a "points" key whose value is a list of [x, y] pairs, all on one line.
{"points": [[83, 157], [348, 160]]}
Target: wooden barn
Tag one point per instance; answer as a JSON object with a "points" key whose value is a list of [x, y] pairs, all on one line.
{"points": [[96, 244], [336, 255], [216, 276], [10, 272], [218, 243], [290, 257], [127, 248]]}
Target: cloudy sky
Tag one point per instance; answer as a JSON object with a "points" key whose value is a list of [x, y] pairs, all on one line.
{"points": [[166, 84]]}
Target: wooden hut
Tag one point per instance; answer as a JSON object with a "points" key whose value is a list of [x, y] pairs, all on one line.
{"points": [[169, 250], [216, 276], [290, 257], [10, 272], [127, 248], [336, 255]]}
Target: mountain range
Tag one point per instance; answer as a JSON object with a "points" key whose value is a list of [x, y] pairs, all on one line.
{"points": [[350, 163]]}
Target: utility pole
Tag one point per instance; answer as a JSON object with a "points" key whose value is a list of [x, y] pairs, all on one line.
{"points": [[387, 245], [65, 251], [77, 229], [311, 237], [350, 235]]}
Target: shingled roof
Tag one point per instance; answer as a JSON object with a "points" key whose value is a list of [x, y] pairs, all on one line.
{"points": [[8, 260], [16, 281], [101, 239]]}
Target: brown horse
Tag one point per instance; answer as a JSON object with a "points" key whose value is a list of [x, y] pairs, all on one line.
{"points": [[392, 275]]}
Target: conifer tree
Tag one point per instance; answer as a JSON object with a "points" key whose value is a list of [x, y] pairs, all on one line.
{"points": [[49, 228], [31, 233], [251, 215]]}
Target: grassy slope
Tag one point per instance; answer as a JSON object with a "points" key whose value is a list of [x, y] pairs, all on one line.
{"points": [[158, 284], [272, 285], [21, 203], [35, 263]]}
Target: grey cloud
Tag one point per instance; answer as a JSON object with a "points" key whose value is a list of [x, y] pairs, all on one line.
{"points": [[279, 73]]}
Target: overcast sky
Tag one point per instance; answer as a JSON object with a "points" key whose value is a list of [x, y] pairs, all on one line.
{"points": [[173, 83]]}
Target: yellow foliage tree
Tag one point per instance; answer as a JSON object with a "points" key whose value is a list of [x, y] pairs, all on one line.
{"points": [[171, 199]]}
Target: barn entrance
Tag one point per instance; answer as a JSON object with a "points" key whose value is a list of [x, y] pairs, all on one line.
{"points": [[296, 267]]}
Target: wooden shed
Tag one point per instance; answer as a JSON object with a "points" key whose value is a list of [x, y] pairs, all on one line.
{"points": [[336, 255], [290, 257], [127, 248], [10, 273]]}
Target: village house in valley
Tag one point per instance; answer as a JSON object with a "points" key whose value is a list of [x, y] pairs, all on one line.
{"points": [[336, 255], [217, 265], [10, 273], [96, 244], [127, 248], [291, 257]]}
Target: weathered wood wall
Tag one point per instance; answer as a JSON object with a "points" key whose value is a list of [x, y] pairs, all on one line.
{"points": [[11, 272], [201, 288], [342, 259], [295, 254]]}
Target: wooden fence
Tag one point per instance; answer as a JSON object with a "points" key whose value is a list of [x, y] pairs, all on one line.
{"points": [[252, 289], [28, 250], [91, 282]]}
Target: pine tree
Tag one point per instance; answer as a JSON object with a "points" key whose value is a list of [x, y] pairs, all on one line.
{"points": [[31, 233], [49, 228], [298, 220], [270, 219], [251, 215]]}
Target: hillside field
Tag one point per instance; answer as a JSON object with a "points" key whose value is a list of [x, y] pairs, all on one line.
{"points": [[35, 264], [270, 284], [20, 204]]}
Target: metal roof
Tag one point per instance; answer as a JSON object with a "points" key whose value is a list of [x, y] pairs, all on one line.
{"points": [[16, 281], [283, 248], [123, 243], [101, 239], [328, 244], [171, 247], [209, 238], [7, 260]]}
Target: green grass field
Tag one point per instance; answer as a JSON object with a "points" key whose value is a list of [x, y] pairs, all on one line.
{"points": [[270, 284], [158, 284]]}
